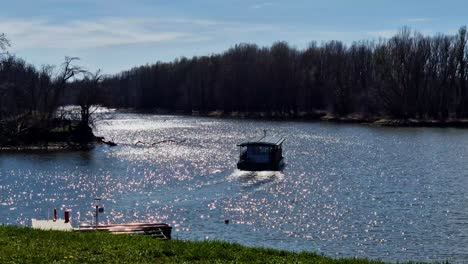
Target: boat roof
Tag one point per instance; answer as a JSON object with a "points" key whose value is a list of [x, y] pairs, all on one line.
{"points": [[263, 140]]}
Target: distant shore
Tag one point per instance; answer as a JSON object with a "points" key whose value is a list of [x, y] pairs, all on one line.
{"points": [[60, 140], [324, 116]]}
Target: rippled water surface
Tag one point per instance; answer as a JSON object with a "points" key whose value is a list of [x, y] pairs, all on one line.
{"points": [[347, 191]]}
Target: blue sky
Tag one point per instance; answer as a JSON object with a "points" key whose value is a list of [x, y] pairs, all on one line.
{"points": [[115, 35]]}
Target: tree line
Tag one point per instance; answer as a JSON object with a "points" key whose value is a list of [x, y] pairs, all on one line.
{"points": [[407, 76]]}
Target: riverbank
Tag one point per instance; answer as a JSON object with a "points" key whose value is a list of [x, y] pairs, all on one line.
{"points": [[386, 121], [55, 135], [57, 146], [27, 245], [325, 116]]}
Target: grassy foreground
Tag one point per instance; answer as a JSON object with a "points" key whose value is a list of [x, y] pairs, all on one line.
{"points": [[25, 245]]}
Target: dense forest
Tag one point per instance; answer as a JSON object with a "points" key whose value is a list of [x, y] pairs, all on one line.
{"points": [[407, 76]]}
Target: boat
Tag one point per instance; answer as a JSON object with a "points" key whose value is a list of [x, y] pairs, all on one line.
{"points": [[264, 153]]}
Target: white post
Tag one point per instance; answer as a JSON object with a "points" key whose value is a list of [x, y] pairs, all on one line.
{"points": [[96, 214]]}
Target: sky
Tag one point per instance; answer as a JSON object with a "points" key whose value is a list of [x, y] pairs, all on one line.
{"points": [[116, 35]]}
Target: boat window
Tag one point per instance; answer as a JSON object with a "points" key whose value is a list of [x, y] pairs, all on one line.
{"points": [[261, 150], [258, 153]]}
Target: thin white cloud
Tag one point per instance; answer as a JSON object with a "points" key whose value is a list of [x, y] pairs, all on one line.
{"points": [[261, 5], [40, 33], [86, 34], [418, 20], [382, 33]]}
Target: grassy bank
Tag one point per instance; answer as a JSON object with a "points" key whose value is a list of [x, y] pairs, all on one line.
{"points": [[24, 245]]}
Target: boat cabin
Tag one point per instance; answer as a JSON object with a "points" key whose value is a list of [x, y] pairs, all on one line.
{"points": [[260, 154]]}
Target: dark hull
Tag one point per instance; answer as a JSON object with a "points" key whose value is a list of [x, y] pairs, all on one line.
{"points": [[251, 166]]}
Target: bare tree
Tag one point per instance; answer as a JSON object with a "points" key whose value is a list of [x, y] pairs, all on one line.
{"points": [[69, 70], [461, 58], [4, 42], [88, 96]]}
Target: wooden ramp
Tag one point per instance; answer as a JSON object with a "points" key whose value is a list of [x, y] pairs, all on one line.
{"points": [[156, 230]]}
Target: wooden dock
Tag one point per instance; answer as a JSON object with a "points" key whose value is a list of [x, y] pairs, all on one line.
{"points": [[58, 225], [156, 230]]}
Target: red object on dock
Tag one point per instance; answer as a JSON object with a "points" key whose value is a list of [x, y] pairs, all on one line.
{"points": [[67, 216], [55, 214]]}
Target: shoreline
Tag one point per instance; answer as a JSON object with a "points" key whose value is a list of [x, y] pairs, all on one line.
{"points": [[38, 246], [58, 146], [318, 116]]}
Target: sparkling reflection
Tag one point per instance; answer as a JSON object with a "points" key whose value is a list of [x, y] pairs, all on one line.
{"points": [[347, 191]]}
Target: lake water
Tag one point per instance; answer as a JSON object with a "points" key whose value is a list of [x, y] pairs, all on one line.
{"points": [[392, 194]]}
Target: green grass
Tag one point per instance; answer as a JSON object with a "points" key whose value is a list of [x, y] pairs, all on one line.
{"points": [[25, 245]]}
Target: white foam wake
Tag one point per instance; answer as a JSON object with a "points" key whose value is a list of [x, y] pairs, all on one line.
{"points": [[256, 177]]}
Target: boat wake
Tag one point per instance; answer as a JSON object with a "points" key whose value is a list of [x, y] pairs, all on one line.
{"points": [[249, 178]]}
